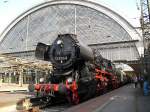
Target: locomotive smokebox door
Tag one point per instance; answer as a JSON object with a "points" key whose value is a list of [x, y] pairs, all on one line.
{"points": [[41, 52]]}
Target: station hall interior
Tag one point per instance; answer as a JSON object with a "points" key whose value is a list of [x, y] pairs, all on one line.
{"points": [[101, 28]]}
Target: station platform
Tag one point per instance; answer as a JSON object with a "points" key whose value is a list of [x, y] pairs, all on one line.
{"points": [[10, 94], [8, 100], [6, 87], [123, 99]]}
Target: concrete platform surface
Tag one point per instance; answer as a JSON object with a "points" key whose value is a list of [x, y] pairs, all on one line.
{"points": [[124, 99], [128, 99], [5, 87], [8, 100]]}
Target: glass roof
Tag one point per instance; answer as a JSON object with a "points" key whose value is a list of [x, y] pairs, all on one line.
{"points": [[90, 25]]}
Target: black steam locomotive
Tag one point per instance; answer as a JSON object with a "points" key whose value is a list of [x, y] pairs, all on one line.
{"points": [[78, 74], [72, 69]]}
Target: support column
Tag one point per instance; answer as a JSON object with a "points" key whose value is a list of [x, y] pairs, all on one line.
{"points": [[21, 78], [1, 80], [25, 73], [14, 73], [9, 78], [5, 78], [36, 76]]}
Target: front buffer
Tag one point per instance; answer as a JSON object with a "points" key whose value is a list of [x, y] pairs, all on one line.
{"points": [[49, 94]]}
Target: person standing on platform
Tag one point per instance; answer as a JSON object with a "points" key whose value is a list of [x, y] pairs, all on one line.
{"points": [[146, 87], [135, 80], [141, 81]]}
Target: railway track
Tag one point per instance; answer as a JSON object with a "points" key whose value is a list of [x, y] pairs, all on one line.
{"points": [[35, 105], [56, 108]]}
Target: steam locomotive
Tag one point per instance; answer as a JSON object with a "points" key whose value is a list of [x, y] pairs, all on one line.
{"points": [[78, 73]]}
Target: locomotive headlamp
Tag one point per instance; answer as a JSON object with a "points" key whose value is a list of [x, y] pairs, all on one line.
{"points": [[59, 42], [41, 80], [70, 80]]}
